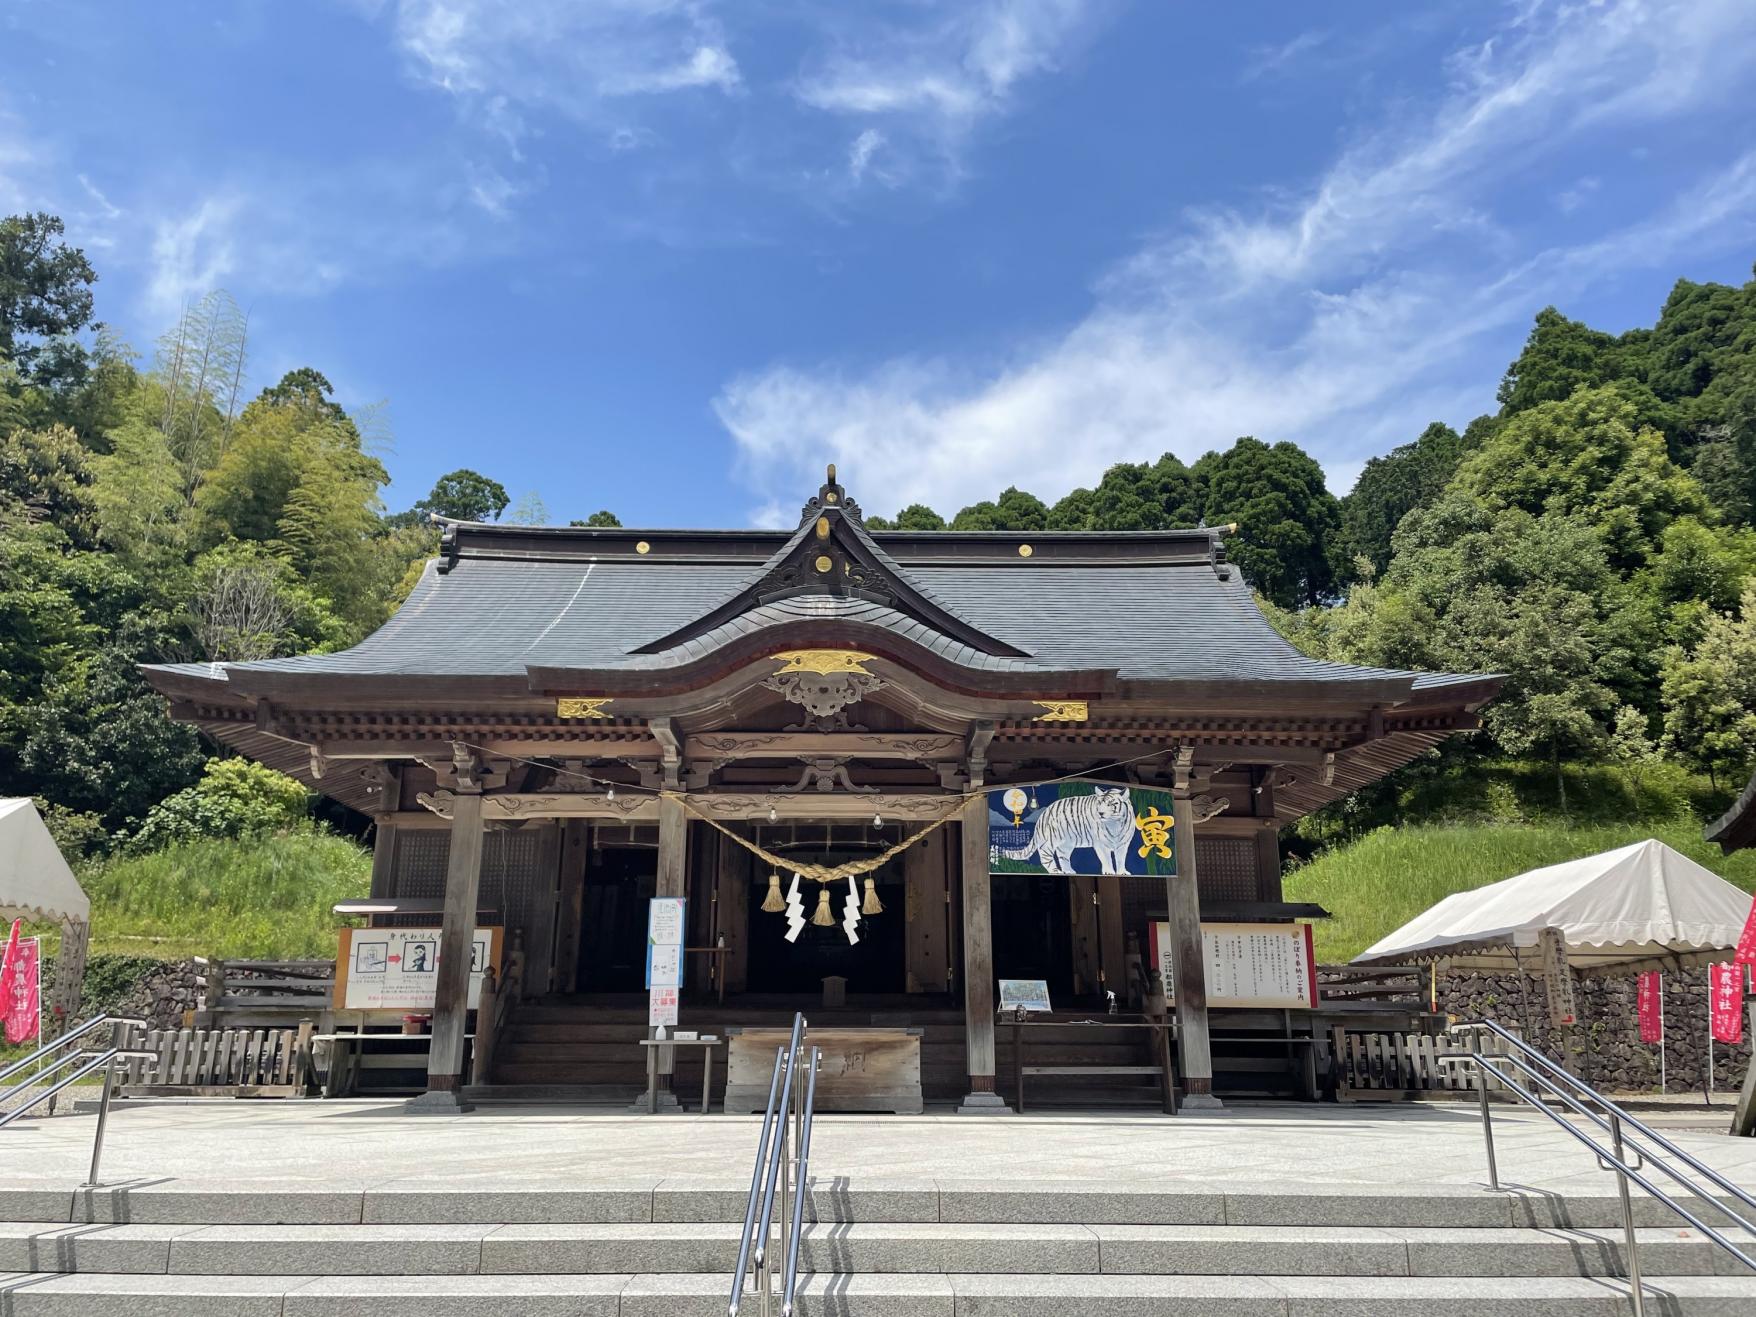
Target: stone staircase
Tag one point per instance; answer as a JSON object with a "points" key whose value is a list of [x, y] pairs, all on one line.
{"points": [[945, 1248]]}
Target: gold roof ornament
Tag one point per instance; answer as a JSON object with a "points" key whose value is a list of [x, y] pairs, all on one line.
{"points": [[824, 662], [583, 706], [1062, 711]]}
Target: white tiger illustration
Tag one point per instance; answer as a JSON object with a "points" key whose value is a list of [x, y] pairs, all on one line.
{"points": [[1103, 821]]}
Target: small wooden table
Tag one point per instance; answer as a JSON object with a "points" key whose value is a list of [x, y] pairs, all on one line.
{"points": [[1161, 1041], [653, 1044], [861, 1069]]}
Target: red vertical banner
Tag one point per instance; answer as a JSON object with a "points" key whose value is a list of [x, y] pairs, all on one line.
{"points": [[19, 988], [1746, 953], [1652, 1010], [1726, 998]]}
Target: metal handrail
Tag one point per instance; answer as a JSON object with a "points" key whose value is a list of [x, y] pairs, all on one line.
{"points": [[1624, 1155], [786, 1124], [93, 1062], [49, 1048]]}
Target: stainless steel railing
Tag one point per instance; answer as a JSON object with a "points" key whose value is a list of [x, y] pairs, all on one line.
{"points": [[1630, 1151], [53, 1058], [783, 1162]]}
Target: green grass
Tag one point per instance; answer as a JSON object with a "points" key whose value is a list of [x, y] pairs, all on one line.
{"points": [[1376, 884], [267, 897]]}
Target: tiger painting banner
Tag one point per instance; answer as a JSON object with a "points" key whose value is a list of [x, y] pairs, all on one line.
{"points": [[1081, 828], [1651, 1007], [1726, 1002]]}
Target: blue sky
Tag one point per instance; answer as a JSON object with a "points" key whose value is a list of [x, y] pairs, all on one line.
{"points": [[670, 256]]}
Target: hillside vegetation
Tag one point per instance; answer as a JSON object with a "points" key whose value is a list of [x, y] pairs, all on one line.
{"points": [[1377, 883]]}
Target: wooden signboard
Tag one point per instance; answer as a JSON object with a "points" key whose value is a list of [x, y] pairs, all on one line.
{"points": [[862, 1070], [397, 969], [1248, 964]]}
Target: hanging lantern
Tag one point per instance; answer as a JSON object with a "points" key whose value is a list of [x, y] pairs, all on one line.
{"points": [[871, 905], [823, 917], [772, 904]]}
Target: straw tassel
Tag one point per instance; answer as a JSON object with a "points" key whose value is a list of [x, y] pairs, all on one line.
{"points": [[823, 917], [773, 904], [872, 905]]}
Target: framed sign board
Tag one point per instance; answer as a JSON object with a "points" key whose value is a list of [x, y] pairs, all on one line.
{"points": [[1025, 995], [1081, 828], [397, 969], [1248, 964]]}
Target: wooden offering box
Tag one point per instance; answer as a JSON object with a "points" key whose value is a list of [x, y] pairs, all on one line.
{"points": [[862, 1069]]}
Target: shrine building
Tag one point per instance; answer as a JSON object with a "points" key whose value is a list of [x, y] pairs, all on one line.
{"points": [[887, 770]]}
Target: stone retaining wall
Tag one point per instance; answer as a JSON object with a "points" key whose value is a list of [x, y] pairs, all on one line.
{"points": [[1606, 1042]]}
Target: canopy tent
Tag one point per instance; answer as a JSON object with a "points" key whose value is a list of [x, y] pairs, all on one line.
{"points": [[35, 882], [1641, 907]]}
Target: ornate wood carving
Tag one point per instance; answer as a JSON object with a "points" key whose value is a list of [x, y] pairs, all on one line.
{"points": [[824, 682], [827, 773], [852, 745], [519, 805], [583, 706], [1206, 807], [1062, 711]]}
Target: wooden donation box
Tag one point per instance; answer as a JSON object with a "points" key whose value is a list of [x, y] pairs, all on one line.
{"points": [[862, 1069]]}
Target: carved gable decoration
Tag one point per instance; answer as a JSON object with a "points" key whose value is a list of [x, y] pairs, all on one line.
{"points": [[831, 554], [824, 682]]}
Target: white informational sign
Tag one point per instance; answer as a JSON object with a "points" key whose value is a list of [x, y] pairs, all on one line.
{"points": [[664, 958], [1248, 964], [398, 968], [1024, 995]]}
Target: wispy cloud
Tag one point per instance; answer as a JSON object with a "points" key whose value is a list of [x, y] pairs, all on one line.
{"points": [[938, 79], [1304, 318]]}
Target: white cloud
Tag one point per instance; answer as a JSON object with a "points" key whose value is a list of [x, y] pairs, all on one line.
{"points": [[1300, 320], [942, 77], [860, 153], [192, 254], [561, 55]]}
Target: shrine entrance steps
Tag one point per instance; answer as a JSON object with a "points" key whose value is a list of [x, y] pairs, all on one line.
{"points": [[584, 1049], [1004, 1247]]}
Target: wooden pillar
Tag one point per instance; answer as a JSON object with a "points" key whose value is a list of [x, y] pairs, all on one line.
{"points": [[924, 897], [383, 857], [570, 903], [1082, 912], [1112, 931], [734, 912], [541, 942], [673, 880], [463, 876], [978, 962], [1183, 901], [1267, 838]]}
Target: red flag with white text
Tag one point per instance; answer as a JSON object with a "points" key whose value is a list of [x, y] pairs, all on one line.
{"points": [[1652, 1009], [1726, 998], [1746, 953]]}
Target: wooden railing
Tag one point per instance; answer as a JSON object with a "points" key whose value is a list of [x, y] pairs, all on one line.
{"points": [[220, 1062], [264, 985], [1394, 1067], [1359, 983]]}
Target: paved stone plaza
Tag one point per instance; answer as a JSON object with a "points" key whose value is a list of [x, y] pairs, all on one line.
{"points": [[366, 1144]]}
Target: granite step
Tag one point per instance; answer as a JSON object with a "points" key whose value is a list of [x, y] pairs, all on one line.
{"points": [[645, 1295], [876, 1249]]}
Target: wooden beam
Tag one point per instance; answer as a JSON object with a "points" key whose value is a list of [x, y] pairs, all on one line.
{"points": [[463, 873], [808, 745], [1183, 905], [978, 962]]}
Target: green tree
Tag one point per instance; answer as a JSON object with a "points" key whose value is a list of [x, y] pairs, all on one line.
{"points": [[1560, 355], [1161, 495], [46, 475], [234, 798], [1710, 696], [45, 299], [1013, 510], [465, 495], [605, 518], [1289, 523], [1407, 477]]}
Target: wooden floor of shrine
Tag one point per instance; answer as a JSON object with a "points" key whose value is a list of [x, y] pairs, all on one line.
{"points": [[586, 1048]]}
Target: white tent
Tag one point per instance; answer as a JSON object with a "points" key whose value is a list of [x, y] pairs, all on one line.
{"points": [[35, 882], [1644, 906]]}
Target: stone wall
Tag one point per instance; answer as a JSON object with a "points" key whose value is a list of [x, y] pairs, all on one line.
{"points": [[1607, 1050]]}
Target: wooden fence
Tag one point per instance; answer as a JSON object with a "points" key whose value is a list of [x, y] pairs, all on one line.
{"points": [[265, 984], [1395, 1067], [1358, 983], [220, 1063]]}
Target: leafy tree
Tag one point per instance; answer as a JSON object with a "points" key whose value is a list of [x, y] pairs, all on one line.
{"points": [[1408, 477], [1289, 523], [1586, 456], [1560, 355], [465, 495], [46, 475], [234, 798], [530, 511], [45, 299], [1161, 495], [307, 390], [605, 518], [1710, 695], [918, 516], [1013, 510]]}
